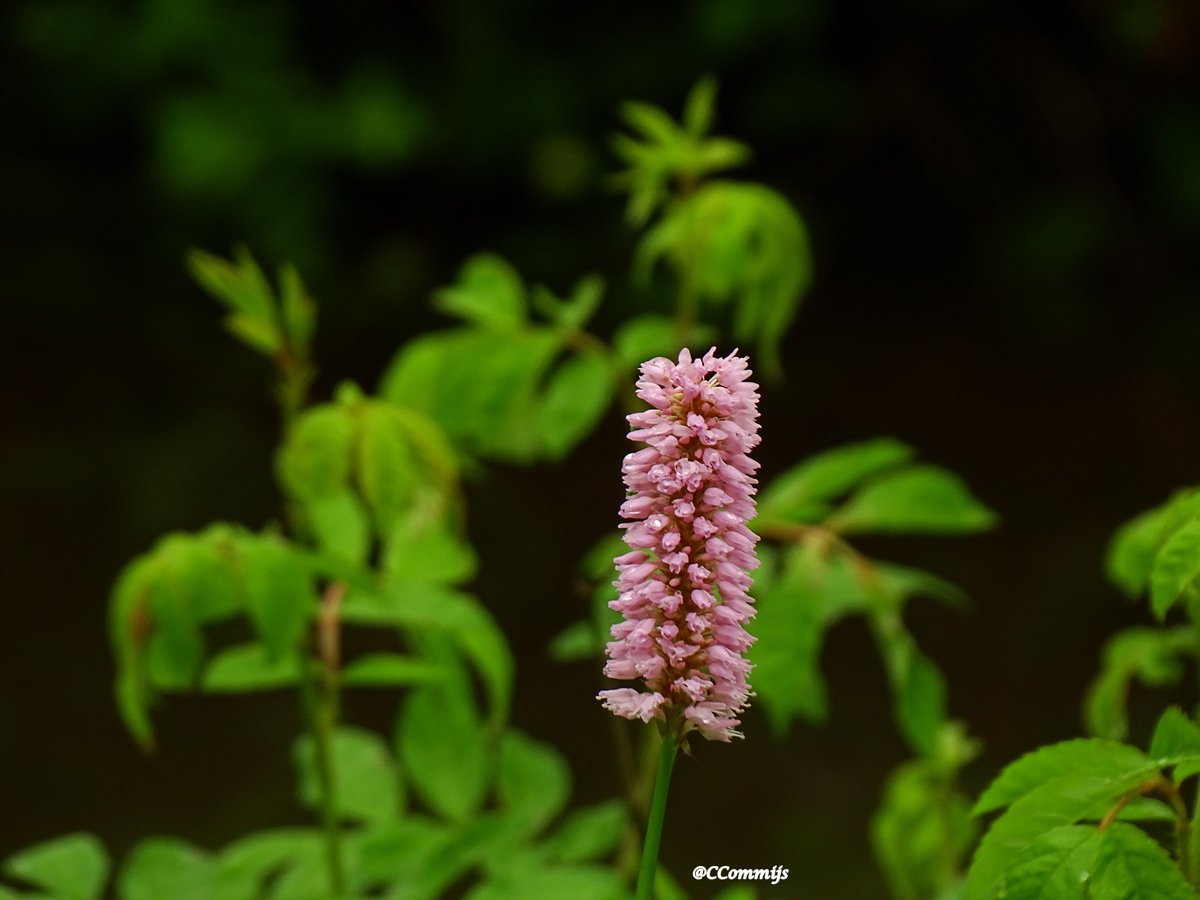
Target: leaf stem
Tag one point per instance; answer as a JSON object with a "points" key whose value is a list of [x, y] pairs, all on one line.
{"points": [[654, 822], [320, 696]]}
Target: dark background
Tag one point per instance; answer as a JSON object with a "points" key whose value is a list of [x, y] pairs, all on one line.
{"points": [[1005, 212]]}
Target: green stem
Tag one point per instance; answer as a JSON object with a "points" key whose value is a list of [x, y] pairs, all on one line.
{"points": [[654, 822], [1193, 876], [1183, 829], [321, 707]]}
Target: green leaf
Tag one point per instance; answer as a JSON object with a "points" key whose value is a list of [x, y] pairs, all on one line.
{"points": [[1056, 866], [129, 630], [648, 337], [316, 457], [482, 391], [553, 883], [389, 670], [589, 833], [899, 584], [488, 292], [387, 471], [299, 310], [280, 594], [366, 783], [920, 697], [919, 499], [164, 867], [923, 830], [577, 641], [533, 782], [741, 244], [72, 867], [577, 396], [415, 856], [248, 668], [1129, 865], [444, 749], [428, 548], [1131, 553], [1061, 801], [1152, 656], [700, 106], [340, 525], [1101, 758], [1175, 735], [245, 292], [828, 475], [794, 611], [575, 312], [246, 866], [425, 609], [742, 892], [1176, 567]]}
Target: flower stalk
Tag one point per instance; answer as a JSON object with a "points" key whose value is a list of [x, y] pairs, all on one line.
{"points": [[656, 817]]}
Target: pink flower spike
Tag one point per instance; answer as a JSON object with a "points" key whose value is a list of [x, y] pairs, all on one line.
{"points": [[683, 583]]}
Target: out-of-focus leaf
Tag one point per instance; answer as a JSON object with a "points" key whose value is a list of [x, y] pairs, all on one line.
{"points": [[299, 310], [535, 882], [1152, 656], [129, 626], [533, 782], [741, 243], [164, 867], [1175, 735], [414, 855], [488, 292], [588, 834], [243, 289], [387, 471], [579, 640], [248, 668], [340, 525], [389, 670], [317, 455], [427, 547], [1176, 567], [445, 750], [900, 584], [1131, 553], [648, 337], [248, 864], [919, 499], [794, 611], [578, 394], [482, 390], [826, 476], [280, 594], [427, 609], [366, 783], [918, 689], [700, 107], [923, 831], [577, 310], [72, 867]]}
